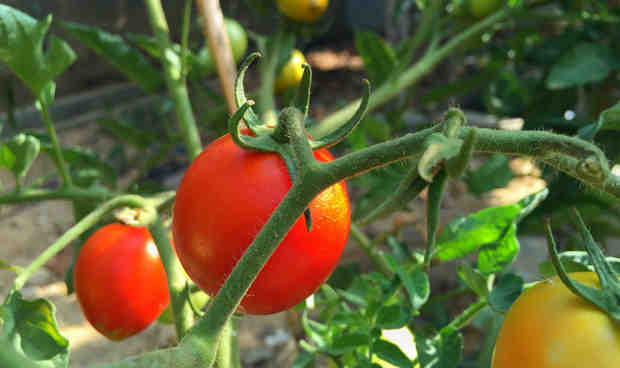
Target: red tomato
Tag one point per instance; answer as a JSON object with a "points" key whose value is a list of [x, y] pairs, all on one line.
{"points": [[120, 281], [225, 198]]}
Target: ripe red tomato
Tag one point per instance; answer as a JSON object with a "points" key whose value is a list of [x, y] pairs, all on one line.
{"points": [[120, 281], [225, 198], [549, 326]]}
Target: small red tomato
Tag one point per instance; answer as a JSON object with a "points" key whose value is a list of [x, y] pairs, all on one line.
{"points": [[225, 198], [120, 281]]}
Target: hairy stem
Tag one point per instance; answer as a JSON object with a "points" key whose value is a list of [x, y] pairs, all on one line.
{"points": [[181, 310], [70, 193], [59, 159], [174, 78]]}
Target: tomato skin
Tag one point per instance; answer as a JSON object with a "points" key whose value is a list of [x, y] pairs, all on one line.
{"points": [[291, 73], [224, 199], [303, 10], [120, 280], [550, 327]]}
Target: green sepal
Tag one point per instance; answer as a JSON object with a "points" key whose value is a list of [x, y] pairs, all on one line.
{"points": [[302, 95], [457, 165], [344, 130], [608, 297], [435, 193], [263, 143], [251, 119]]}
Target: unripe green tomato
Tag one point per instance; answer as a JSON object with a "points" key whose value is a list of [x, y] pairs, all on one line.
{"points": [[303, 10], [483, 8], [291, 73], [238, 44]]}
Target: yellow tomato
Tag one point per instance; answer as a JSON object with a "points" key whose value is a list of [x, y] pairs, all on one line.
{"points": [[550, 327], [303, 10], [291, 72]]}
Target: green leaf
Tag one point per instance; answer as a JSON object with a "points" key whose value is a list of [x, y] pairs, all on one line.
{"points": [[496, 256], [391, 353], [304, 359], [610, 118], [494, 173], [507, 290], [123, 56], [575, 261], [21, 48], [379, 58], [7, 157], [587, 62], [393, 316], [30, 329], [465, 235], [444, 350], [25, 149], [415, 282], [348, 342], [474, 279]]}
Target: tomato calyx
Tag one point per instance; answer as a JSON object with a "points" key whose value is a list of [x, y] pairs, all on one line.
{"points": [[608, 297]]}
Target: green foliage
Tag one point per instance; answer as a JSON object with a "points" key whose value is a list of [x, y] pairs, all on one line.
{"points": [[585, 62], [379, 57], [443, 350], [505, 292], [21, 48], [18, 154], [494, 173], [492, 231], [124, 57], [30, 329]]}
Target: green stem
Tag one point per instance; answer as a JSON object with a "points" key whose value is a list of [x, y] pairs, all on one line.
{"points": [[207, 332], [433, 204], [174, 78], [556, 150], [268, 69], [228, 352], [59, 159], [179, 303], [468, 314], [36, 195], [370, 248], [83, 225], [410, 76]]}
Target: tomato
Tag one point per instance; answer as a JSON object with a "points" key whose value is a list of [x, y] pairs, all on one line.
{"points": [[303, 10], [237, 37], [483, 8], [120, 281], [224, 199], [550, 327], [291, 73]]}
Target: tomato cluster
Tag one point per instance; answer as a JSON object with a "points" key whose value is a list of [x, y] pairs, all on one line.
{"points": [[224, 199]]}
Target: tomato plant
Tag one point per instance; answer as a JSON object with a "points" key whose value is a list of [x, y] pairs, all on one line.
{"points": [[303, 10], [291, 73], [225, 197], [119, 280], [483, 8], [549, 326]]}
